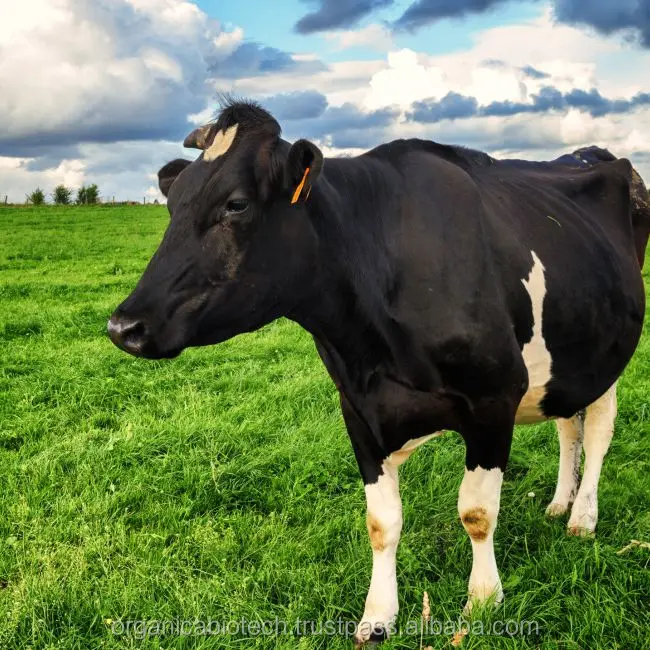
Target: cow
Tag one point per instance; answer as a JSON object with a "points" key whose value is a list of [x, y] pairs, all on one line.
{"points": [[444, 290]]}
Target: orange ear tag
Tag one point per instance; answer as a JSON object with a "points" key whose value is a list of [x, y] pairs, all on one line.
{"points": [[296, 194]]}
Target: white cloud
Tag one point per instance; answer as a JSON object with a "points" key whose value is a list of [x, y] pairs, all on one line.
{"points": [[100, 69], [405, 81], [124, 170], [343, 81], [16, 182], [110, 72], [493, 68], [227, 42], [82, 71], [376, 37]]}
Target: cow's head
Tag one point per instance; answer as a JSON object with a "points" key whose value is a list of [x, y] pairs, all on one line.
{"points": [[240, 248]]}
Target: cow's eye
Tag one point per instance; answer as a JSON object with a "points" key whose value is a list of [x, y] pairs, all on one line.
{"points": [[235, 206]]}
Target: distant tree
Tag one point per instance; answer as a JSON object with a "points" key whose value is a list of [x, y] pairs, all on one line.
{"points": [[92, 194], [88, 195], [62, 195], [37, 197]]}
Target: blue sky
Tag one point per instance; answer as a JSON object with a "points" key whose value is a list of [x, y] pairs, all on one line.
{"points": [[272, 23], [105, 90]]}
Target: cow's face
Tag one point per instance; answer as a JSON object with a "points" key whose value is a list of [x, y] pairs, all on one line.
{"points": [[240, 249]]}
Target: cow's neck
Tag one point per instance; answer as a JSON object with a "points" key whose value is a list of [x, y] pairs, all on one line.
{"points": [[348, 309]]}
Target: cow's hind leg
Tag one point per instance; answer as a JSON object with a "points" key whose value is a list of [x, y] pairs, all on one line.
{"points": [[570, 433], [599, 429]]}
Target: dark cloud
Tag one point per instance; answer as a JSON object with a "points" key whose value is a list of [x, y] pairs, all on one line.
{"points": [[50, 158], [347, 126], [307, 104], [526, 70], [337, 14], [307, 115], [534, 73], [551, 99], [252, 59], [423, 12], [608, 16], [141, 126], [454, 106]]}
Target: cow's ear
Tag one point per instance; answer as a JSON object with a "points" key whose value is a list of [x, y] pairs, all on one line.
{"points": [[304, 164], [167, 174], [201, 138]]}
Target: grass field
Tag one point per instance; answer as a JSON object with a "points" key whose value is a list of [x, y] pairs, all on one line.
{"points": [[221, 485]]}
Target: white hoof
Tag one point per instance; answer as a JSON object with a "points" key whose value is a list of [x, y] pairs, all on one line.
{"points": [[556, 509], [370, 633], [483, 598], [582, 521], [580, 531]]}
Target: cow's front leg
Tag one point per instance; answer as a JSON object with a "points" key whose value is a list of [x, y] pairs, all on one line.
{"points": [[384, 522], [478, 506]]}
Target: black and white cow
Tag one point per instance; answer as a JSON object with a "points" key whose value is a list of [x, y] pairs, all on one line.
{"points": [[444, 290]]}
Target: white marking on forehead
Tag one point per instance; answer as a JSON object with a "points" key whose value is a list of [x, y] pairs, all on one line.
{"points": [[536, 355], [222, 142]]}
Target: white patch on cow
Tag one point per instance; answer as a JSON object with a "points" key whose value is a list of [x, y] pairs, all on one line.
{"points": [[570, 434], [478, 507], [384, 521], [221, 143], [599, 429], [535, 353]]}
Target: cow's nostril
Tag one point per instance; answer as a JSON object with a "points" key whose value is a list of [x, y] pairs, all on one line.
{"points": [[134, 334], [127, 333]]}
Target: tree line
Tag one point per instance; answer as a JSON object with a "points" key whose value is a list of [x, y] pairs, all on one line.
{"points": [[62, 195]]}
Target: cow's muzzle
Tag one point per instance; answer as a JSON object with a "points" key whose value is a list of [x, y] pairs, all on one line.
{"points": [[128, 334]]}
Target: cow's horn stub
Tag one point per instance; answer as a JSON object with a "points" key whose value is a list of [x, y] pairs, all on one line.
{"points": [[200, 138]]}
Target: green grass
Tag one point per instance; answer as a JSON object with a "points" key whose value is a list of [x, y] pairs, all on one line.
{"points": [[221, 485]]}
